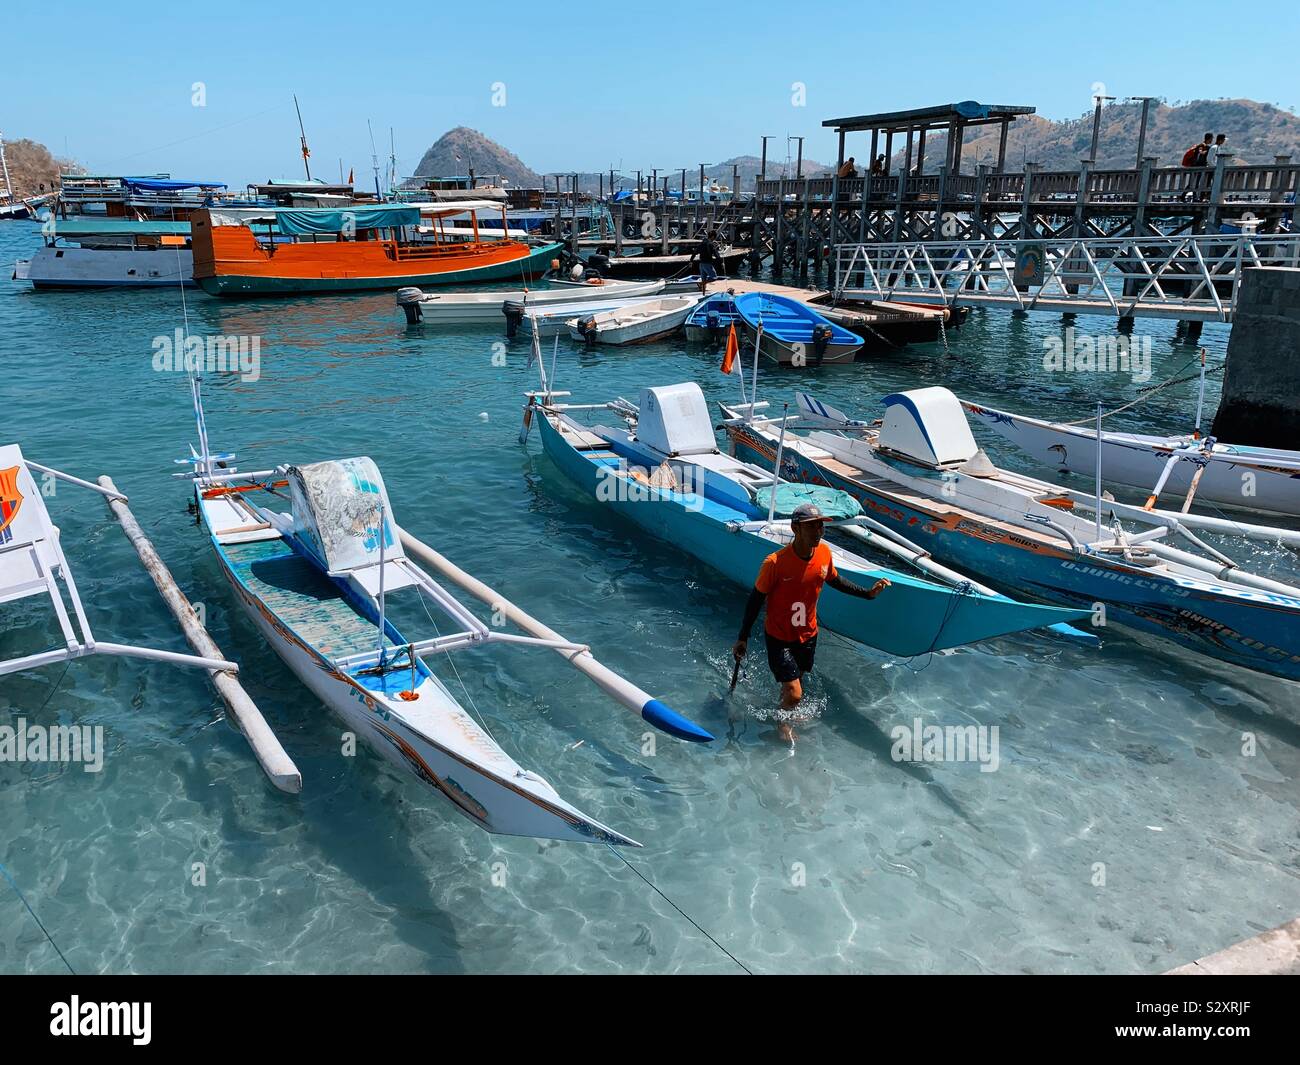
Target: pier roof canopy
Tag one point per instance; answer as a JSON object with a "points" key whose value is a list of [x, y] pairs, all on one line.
{"points": [[967, 113]]}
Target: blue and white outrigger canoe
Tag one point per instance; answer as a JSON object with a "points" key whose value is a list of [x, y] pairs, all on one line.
{"points": [[316, 580], [919, 473], [792, 333], [664, 472]]}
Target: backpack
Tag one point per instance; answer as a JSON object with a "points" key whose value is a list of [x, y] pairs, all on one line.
{"points": [[1192, 156]]}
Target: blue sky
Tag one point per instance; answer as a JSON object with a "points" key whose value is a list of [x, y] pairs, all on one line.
{"points": [[586, 86]]}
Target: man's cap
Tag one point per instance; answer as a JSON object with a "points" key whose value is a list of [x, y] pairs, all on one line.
{"points": [[806, 512]]}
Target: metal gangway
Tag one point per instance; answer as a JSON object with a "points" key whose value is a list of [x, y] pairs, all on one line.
{"points": [[1190, 278]]}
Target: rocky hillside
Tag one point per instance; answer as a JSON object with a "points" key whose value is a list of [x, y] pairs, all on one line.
{"points": [[31, 166], [1256, 134], [455, 152]]}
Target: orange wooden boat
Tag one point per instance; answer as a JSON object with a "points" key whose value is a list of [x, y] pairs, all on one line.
{"points": [[384, 246]]}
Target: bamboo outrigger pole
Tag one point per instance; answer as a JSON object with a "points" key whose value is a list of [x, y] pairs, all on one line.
{"points": [[272, 757]]}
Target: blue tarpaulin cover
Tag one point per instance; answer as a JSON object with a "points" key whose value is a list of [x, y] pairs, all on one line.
{"points": [[168, 185], [311, 220]]}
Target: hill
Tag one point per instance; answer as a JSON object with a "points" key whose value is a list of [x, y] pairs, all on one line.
{"points": [[460, 149], [1256, 132], [32, 168]]}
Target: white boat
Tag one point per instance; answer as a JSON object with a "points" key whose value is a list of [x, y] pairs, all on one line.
{"points": [[554, 321], [920, 473], [636, 323], [317, 581], [14, 207], [485, 307], [100, 253], [1265, 480]]}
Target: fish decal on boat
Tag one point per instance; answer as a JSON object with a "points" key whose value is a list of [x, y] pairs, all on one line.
{"points": [[11, 501], [453, 791]]}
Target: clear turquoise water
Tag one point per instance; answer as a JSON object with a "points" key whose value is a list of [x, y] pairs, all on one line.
{"points": [[833, 858]]}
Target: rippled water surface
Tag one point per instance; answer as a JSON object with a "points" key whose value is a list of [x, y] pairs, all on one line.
{"points": [[1124, 829]]}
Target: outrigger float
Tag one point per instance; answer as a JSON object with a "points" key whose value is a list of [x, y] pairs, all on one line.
{"points": [[316, 579], [32, 563], [920, 474], [662, 470]]}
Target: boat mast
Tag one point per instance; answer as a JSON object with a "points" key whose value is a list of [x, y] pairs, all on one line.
{"points": [[4, 164], [302, 134], [392, 160], [374, 159]]}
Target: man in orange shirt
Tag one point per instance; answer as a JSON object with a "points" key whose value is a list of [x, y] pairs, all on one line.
{"points": [[791, 580]]}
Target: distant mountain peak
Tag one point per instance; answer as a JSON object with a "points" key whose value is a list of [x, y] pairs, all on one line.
{"points": [[461, 149]]}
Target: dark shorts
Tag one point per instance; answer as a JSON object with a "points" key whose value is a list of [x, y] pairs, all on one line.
{"points": [[708, 272], [789, 661]]}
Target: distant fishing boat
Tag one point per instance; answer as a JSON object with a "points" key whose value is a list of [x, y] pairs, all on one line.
{"points": [[793, 334], [638, 266], [1261, 479], [317, 582], [921, 475], [664, 472], [12, 206], [352, 248], [110, 252], [634, 323]]}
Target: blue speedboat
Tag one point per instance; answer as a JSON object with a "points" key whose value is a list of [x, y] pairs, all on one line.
{"points": [[793, 333]]}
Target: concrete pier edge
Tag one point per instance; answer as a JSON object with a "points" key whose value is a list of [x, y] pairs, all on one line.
{"points": [[1272, 953]]}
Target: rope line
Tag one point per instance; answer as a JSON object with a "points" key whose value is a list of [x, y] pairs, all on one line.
{"points": [[694, 923]]}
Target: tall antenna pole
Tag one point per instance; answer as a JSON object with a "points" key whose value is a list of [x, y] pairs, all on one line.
{"points": [[306, 152], [392, 160]]}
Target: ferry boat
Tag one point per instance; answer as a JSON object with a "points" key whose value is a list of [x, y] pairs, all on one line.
{"points": [[386, 246]]}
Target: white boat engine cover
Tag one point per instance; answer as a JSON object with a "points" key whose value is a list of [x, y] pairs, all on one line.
{"points": [[927, 424], [336, 508], [674, 420]]}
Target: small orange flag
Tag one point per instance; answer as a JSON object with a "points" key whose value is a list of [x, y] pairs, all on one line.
{"points": [[732, 347]]}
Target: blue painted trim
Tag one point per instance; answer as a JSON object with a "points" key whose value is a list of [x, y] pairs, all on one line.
{"points": [[668, 720], [903, 401]]}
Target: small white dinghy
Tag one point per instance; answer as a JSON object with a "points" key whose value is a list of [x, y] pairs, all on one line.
{"points": [[636, 323]]}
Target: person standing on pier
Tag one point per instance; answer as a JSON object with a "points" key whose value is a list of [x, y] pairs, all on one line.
{"points": [[711, 264], [790, 581], [1219, 148]]}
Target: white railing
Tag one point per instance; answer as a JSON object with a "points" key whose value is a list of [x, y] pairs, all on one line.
{"points": [[1191, 277]]}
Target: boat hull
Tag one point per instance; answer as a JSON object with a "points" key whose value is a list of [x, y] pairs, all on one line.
{"points": [[1243, 478], [910, 618], [467, 768], [110, 267], [1252, 634]]}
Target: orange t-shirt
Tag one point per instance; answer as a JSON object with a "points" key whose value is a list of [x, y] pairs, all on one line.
{"points": [[792, 587]]}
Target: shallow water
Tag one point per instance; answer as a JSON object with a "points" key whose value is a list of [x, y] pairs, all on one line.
{"points": [[832, 857]]}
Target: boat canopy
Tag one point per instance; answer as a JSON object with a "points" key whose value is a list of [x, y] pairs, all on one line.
{"points": [[927, 424], [105, 227], [151, 184], [451, 208], [306, 221], [336, 512], [674, 420]]}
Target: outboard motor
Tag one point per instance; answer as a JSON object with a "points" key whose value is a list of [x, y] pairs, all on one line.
{"points": [[713, 323], [409, 300], [587, 327], [821, 337], [514, 312]]}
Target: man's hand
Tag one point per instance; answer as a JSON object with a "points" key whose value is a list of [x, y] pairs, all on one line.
{"points": [[738, 652], [879, 587]]}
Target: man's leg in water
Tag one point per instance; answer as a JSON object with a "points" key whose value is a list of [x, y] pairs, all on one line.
{"points": [[791, 693]]}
